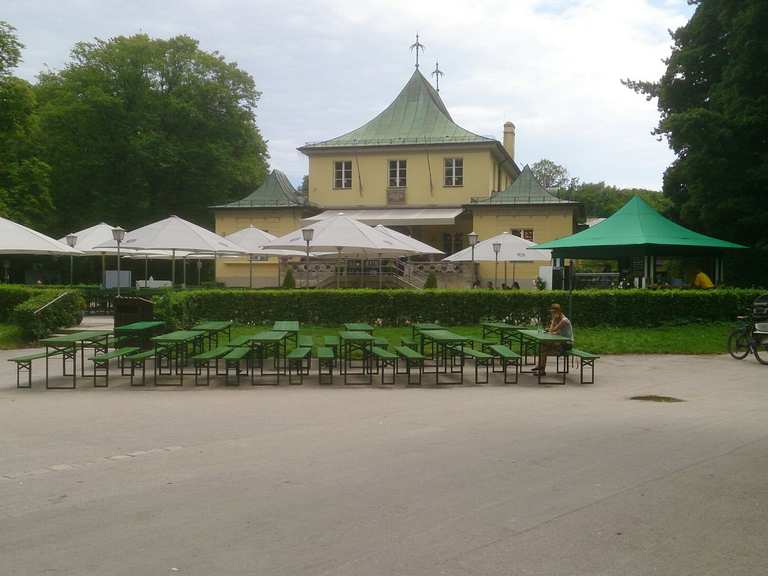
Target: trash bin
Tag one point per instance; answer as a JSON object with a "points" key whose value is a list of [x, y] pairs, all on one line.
{"points": [[130, 309]]}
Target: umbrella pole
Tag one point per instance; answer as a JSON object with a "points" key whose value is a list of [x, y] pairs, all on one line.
{"points": [[199, 270], [380, 278], [146, 270], [173, 268], [103, 269], [184, 272], [250, 271], [338, 268], [513, 272], [505, 274], [362, 273]]}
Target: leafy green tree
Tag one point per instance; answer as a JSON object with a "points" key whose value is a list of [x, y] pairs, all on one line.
{"points": [[24, 177], [601, 200], [139, 128], [551, 175], [714, 114]]}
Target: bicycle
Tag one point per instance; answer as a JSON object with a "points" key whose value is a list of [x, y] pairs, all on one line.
{"points": [[750, 336]]}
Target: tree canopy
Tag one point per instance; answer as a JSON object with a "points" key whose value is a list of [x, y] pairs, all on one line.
{"points": [[24, 176], [713, 104], [139, 128]]}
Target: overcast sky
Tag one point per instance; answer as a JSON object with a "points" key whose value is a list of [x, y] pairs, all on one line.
{"points": [[327, 66]]}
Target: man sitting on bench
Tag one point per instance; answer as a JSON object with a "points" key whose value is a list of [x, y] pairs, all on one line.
{"points": [[560, 325]]}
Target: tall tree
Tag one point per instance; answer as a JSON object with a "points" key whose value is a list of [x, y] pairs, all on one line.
{"points": [[139, 128], [713, 100], [24, 177], [551, 175]]}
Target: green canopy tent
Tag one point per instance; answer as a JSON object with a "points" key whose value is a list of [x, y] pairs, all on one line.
{"points": [[637, 230]]}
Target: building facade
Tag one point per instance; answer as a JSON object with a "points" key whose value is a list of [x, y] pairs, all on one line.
{"points": [[414, 169]]}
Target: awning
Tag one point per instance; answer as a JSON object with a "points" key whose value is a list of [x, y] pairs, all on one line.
{"points": [[395, 216]]}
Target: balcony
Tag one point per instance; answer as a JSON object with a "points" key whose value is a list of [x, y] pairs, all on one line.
{"points": [[396, 196]]}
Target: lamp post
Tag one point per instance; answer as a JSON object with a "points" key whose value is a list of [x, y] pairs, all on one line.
{"points": [[118, 234], [496, 250], [472, 242], [71, 242], [307, 234]]}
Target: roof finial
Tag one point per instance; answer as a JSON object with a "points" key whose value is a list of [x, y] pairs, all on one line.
{"points": [[417, 46], [437, 73]]}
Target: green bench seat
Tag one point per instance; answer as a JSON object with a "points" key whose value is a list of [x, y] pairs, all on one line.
{"points": [[204, 360], [506, 356], [381, 342], [408, 342], [412, 358], [332, 342], [299, 359], [481, 359], [305, 342], [233, 360], [326, 359], [101, 363], [140, 359], [385, 359], [240, 341], [483, 344], [585, 359], [24, 363]]}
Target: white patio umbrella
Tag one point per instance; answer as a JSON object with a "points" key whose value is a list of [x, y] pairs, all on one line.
{"points": [[253, 240], [18, 239], [346, 237], [408, 240], [512, 249], [177, 236]]}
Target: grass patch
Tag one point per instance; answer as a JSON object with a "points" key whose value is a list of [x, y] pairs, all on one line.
{"points": [[12, 336], [708, 338]]}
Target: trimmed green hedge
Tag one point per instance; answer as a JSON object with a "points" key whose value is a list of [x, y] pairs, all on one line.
{"points": [[452, 307], [12, 295], [67, 311]]}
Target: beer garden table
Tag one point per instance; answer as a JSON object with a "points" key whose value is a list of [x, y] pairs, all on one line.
{"points": [[352, 341], [418, 326], [177, 347], [213, 328], [541, 337], [274, 342], [67, 345], [290, 326], [441, 341], [358, 327], [139, 330]]}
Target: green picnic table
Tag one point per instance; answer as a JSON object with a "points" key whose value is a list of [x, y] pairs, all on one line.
{"points": [[419, 326], [290, 326], [540, 337], [67, 345], [175, 346], [358, 327], [507, 333], [270, 343], [352, 341], [442, 341], [213, 328], [141, 331]]}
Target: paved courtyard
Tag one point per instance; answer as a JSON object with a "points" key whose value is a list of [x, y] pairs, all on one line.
{"points": [[486, 480]]}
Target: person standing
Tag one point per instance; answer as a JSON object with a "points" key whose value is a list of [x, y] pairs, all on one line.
{"points": [[558, 324]]}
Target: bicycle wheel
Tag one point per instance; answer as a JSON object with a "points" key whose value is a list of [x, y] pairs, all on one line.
{"points": [[761, 350], [738, 344]]}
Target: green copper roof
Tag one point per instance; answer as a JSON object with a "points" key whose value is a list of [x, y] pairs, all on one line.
{"points": [[524, 190], [635, 229], [275, 191], [416, 116]]}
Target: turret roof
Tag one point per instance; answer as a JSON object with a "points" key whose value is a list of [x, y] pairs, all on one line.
{"points": [[416, 116], [525, 189], [275, 192]]}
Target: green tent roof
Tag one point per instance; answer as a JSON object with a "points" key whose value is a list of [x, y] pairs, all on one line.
{"points": [[635, 229], [416, 116], [275, 192], [525, 189]]}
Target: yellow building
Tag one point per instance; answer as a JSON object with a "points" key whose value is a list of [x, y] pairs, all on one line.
{"points": [[414, 169]]}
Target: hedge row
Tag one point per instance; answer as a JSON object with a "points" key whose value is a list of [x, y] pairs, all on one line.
{"points": [[11, 296], [452, 307], [66, 311]]}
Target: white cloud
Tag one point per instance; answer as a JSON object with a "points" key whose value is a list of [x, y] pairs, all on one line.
{"points": [[326, 66]]}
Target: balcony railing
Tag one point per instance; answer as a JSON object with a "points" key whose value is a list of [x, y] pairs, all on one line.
{"points": [[396, 195]]}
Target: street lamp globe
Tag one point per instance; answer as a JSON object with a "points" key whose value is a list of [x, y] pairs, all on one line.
{"points": [[71, 240], [472, 236]]}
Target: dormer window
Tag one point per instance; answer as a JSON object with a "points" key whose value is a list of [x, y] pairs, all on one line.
{"points": [[397, 170], [342, 174], [454, 171]]}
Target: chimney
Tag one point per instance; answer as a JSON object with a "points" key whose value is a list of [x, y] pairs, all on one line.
{"points": [[509, 138]]}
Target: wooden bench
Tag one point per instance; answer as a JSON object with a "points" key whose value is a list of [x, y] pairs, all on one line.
{"points": [[483, 344], [298, 359], [305, 342], [506, 356], [326, 360], [232, 360], [140, 359], [385, 359], [412, 358], [25, 363], [381, 342], [204, 359], [408, 342], [332, 342], [101, 363], [585, 359], [481, 359]]}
